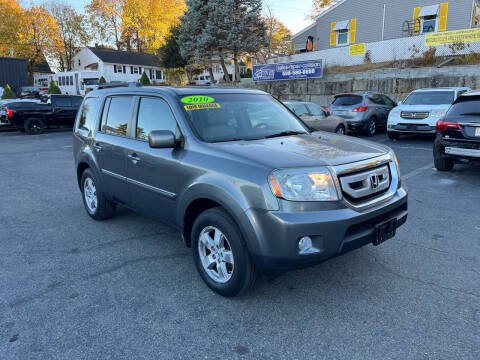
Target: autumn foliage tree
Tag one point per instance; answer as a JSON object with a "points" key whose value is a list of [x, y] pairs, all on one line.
{"points": [[320, 6]]}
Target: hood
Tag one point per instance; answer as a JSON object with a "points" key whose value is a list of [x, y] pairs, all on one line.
{"points": [[316, 149], [422, 108]]}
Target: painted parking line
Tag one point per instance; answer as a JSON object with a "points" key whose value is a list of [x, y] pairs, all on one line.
{"points": [[417, 171], [413, 148]]}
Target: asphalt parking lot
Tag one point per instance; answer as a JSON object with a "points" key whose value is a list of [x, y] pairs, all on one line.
{"points": [[73, 288]]}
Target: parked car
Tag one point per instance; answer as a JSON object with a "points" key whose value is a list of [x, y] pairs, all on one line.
{"points": [[246, 183], [4, 121], [317, 117], [458, 133], [33, 117], [365, 112], [29, 92], [421, 110]]}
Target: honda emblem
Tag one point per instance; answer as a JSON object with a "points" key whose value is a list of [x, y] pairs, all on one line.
{"points": [[374, 181]]}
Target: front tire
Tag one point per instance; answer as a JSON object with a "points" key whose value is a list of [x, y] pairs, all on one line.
{"points": [[220, 254], [94, 200]]}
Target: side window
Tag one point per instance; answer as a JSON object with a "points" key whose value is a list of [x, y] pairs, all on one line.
{"points": [[377, 99], [117, 117], [316, 110], [88, 114], [76, 101], [154, 114], [300, 110], [388, 101]]}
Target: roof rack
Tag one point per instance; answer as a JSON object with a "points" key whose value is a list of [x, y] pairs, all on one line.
{"points": [[115, 84]]}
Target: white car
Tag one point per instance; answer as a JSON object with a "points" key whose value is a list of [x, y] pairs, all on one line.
{"points": [[421, 110]]}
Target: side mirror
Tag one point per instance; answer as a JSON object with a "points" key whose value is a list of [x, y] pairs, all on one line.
{"points": [[161, 139]]}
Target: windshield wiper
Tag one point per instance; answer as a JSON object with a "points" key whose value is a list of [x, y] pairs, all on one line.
{"points": [[285, 133]]}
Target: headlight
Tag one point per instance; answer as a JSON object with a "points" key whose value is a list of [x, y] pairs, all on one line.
{"points": [[395, 113], [303, 184], [438, 113], [395, 159]]}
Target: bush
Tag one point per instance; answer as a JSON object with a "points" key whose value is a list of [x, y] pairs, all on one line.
{"points": [[53, 88], [144, 79], [8, 93], [428, 57], [101, 81], [247, 75]]}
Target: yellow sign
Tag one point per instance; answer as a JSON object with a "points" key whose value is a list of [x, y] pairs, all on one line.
{"points": [[357, 49], [202, 106], [452, 37]]}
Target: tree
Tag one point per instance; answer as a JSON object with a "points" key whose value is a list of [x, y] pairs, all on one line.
{"points": [[277, 37], [12, 17], [8, 93], [170, 56], [101, 81], [105, 19], [73, 33], [40, 35], [320, 6], [144, 79], [53, 88]]}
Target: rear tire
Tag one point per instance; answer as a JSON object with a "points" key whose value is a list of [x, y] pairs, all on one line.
{"points": [[371, 127], [442, 163], [34, 126], [221, 257], [340, 130], [393, 136], [94, 199]]}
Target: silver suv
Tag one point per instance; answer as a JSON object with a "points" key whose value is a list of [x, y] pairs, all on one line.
{"points": [[365, 112], [248, 186]]}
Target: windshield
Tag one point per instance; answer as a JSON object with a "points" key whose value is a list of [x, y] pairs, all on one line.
{"points": [[229, 117], [90, 81], [430, 98]]}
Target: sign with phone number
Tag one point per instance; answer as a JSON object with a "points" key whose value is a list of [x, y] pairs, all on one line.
{"points": [[288, 71]]}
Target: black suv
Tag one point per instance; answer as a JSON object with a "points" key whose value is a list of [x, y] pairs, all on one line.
{"points": [[244, 180], [458, 134]]}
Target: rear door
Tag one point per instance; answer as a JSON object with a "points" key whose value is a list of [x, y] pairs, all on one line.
{"points": [[110, 145], [63, 113], [318, 118], [154, 176], [381, 112]]}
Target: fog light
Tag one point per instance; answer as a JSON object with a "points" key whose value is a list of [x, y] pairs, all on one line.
{"points": [[305, 245]]}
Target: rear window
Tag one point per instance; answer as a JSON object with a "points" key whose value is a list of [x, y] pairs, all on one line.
{"points": [[467, 105], [430, 98], [76, 101], [62, 101], [347, 100]]}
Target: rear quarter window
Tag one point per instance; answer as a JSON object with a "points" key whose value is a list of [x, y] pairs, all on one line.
{"points": [[88, 114], [466, 106], [347, 100]]}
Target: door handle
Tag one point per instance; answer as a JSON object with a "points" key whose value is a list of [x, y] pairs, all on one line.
{"points": [[134, 157], [97, 148]]}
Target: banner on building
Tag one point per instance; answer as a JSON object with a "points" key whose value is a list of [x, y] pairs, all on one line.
{"points": [[357, 49], [452, 37], [308, 69]]}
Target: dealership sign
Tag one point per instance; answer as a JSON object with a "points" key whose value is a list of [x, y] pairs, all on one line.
{"points": [[308, 69]]}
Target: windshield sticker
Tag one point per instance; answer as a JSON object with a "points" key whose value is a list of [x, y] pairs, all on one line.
{"points": [[202, 106], [197, 99]]}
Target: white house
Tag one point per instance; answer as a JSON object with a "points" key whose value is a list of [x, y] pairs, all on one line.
{"points": [[116, 65], [204, 77]]}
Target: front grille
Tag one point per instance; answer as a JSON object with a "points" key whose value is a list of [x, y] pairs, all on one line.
{"points": [[413, 115], [365, 185]]}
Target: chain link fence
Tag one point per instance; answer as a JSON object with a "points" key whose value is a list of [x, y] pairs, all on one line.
{"points": [[436, 49]]}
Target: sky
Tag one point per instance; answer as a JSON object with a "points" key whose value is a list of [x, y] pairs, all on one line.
{"points": [[295, 14]]}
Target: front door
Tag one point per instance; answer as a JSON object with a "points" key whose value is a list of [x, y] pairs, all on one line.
{"points": [[110, 146], [154, 175]]}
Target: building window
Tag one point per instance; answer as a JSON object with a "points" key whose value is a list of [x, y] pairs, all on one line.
{"points": [[429, 24], [159, 75], [342, 37], [79, 63], [150, 73], [134, 70]]}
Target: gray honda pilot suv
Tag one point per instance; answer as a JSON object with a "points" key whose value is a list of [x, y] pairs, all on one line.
{"points": [[245, 181]]}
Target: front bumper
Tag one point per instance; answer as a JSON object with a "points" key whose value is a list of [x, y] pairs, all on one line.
{"points": [[333, 232], [411, 128]]}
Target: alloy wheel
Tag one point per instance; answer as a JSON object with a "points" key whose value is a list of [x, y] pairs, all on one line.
{"points": [[215, 254], [90, 194]]}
